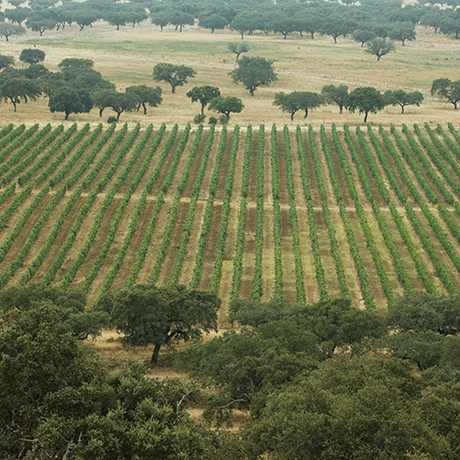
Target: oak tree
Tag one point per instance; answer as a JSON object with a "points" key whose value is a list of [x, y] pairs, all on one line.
{"points": [[203, 94], [175, 75], [253, 72], [402, 98], [447, 89], [160, 315], [365, 99], [226, 105]]}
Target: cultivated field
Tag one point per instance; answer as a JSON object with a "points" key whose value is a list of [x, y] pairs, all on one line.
{"points": [[256, 210]]}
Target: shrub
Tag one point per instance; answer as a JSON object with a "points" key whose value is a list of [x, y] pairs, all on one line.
{"points": [[112, 119], [199, 118], [212, 120]]}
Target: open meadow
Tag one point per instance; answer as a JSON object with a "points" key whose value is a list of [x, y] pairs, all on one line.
{"points": [[256, 210]]}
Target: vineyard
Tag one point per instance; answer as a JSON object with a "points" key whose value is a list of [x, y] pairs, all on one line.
{"points": [[302, 214]]}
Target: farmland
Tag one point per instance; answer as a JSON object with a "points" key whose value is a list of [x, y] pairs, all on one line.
{"points": [[254, 211]]}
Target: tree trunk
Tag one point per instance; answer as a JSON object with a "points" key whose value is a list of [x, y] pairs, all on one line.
{"points": [[365, 117], [341, 109], [145, 108], [155, 353], [66, 115], [100, 112], [306, 113], [402, 109], [292, 116]]}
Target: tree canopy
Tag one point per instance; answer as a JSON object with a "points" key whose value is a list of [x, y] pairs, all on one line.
{"points": [[32, 56], [365, 99], [71, 304], [335, 95], [403, 99], [70, 99], [379, 47], [58, 400], [146, 95], [253, 72], [447, 89], [226, 105], [160, 315], [203, 94], [175, 75]]}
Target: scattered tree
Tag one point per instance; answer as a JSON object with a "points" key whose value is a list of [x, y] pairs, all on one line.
{"points": [[146, 96], [8, 30], [123, 102], [363, 36], [17, 15], [403, 34], [160, 315], [287, 102], [238, 48], [447, 89], [335, 95], [401, 98], [365, 99], [204, 94], [175, 75], [226, 105], [253, 72], [32, 56], [379, 47], [309, 100], [69, 99], [14, 89]]}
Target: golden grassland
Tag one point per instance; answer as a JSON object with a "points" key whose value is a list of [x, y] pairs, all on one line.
{"points": [[127, 57]]}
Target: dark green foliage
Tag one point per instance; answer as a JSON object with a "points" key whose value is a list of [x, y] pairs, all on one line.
{"points": [[336, 323], [70, 304], [6, 61], [401, 98], [335, 95], [203, 94], [69, 100], [422, 312], [160, 315], [175, 75], [447, 89], [57, 399], [365, 99], [32, 56], [253, 72], [226, 105]]}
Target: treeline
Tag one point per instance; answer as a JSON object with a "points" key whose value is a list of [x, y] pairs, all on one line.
{"points": [[363, 20]]}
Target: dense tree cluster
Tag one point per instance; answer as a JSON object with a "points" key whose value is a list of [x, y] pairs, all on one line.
{"points": [[364, 20], [321, 381]]}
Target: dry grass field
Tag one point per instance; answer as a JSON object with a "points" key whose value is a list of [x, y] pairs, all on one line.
{"points": [[127, 57]]}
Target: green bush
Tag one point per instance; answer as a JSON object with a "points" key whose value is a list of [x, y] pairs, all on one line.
{"points": [[199, 118], [112, 120]]}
